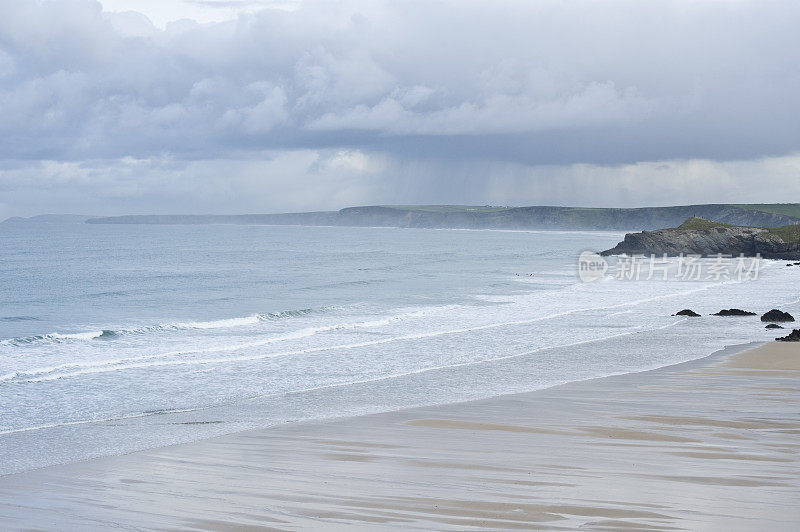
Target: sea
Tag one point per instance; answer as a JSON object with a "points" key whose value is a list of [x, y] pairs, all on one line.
{"points": [[118, 338]]}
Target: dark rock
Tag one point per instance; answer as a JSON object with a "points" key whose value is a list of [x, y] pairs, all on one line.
{"points": [[773, 326], [794, 336], [777, 315], [734, 312], [687, 312], [707, 239]]}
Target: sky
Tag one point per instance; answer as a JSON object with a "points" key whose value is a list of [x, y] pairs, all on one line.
{"points": [[247, 106]]}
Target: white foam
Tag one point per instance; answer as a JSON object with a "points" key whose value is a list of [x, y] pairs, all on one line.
{"points": [[475, 362], [200, 325], [217, 324], [361, 381], [77, 336], [115, 364], [619, 313], [131, 363], [16, 342]]}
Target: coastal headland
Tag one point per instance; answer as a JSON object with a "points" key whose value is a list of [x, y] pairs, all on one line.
{"points": [[476, 217], [698, 236]]}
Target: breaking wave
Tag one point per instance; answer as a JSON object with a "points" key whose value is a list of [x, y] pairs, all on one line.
{"points": [[107, 334]]}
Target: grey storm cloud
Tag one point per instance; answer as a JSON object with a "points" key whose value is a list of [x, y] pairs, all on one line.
{"points": [[308, 105], [541, 82]]}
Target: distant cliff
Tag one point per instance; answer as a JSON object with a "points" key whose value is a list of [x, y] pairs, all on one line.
{"points": [[487, 217], [51, 218], [301, 218], [697, 236]]}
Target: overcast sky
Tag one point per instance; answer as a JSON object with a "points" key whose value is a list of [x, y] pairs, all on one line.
{"points": [[179, 106]]}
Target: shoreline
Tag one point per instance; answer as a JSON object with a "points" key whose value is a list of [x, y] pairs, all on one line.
{"points": [[710, 442], [725, 351]]}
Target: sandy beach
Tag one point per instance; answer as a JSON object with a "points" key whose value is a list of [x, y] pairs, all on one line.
{"points": [[706, 445]]}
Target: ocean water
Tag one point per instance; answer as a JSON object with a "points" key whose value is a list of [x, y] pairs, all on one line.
{"points": [[120, 338]]}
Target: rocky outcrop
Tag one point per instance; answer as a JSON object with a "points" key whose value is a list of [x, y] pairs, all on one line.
{"points": [[773, 326], [711, 240], [733, 312], [687, 312], [794, 336], [776, 315]]}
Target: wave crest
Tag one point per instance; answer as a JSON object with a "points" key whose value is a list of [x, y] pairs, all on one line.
{"points": [[108, 334]]}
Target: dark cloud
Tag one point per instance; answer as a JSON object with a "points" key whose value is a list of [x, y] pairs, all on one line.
{"points": [[552, 81], [500, 82]]}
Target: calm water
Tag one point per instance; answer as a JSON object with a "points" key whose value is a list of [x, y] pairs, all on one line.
{"points": [[117, 338]]}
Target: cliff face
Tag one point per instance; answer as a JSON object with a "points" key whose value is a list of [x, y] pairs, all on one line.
{"points": [[466, 217], [735, 241], [557, 218]]}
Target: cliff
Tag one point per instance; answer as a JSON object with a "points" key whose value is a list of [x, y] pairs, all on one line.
{"points": [[488, 217], [697, 236], [51, 218], [300, 218]]}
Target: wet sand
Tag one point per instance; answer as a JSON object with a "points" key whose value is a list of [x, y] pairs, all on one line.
{"points": [[707, 445]]}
